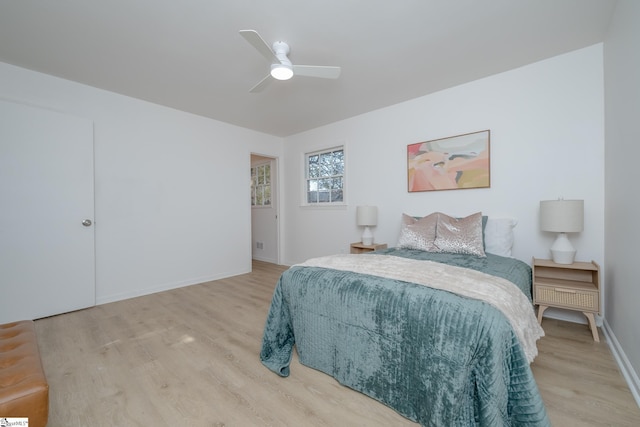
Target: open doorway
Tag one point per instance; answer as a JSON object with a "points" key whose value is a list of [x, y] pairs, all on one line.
{"points": [[264, 208]]}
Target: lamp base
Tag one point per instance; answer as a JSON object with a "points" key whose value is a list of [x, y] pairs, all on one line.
{"points": [[562, 251], [367, 236]]}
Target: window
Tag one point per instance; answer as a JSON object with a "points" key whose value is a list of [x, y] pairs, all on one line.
{"points": [[325, 176], [261, 185]]}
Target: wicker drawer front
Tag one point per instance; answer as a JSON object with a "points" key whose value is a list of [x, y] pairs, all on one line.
{"points": [[583, 300]]}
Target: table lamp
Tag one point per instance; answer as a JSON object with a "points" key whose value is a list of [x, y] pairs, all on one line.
{"points": [[562, 217], [367, 216]]}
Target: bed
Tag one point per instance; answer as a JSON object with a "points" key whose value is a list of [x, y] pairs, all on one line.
{"points": [[388, 325]]}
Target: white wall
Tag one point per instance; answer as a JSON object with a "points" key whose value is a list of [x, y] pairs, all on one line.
{"points": [[171, 195], [547, 141], [172, 203], [622, 68]]}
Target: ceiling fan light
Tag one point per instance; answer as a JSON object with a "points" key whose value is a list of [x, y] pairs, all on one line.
{"points": [[281, 71]]}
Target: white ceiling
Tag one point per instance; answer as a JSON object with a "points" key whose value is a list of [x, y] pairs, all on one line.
{"points": [[187, 54]]}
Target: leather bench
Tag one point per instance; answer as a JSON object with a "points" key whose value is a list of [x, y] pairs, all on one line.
{"points": [[24, 392]]}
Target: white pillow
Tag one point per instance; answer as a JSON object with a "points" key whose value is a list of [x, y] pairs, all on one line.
{"points": [[498, 236]]}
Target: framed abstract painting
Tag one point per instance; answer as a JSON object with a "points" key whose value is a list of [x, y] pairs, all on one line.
{"points": [[452, 163]]}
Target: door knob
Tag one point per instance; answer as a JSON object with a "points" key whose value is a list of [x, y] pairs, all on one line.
{"points": [[86, 223]]}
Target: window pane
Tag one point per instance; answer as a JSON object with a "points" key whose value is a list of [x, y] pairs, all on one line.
{"points": [[324, 184], [325, 171], [326, 161], [253, 185], [313, 167], [324, 196], [314, 171], [267, 195], [260, 185], [338, 164]]}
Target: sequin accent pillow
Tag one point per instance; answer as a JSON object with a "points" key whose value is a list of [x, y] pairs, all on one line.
{"points": [[418, 233], [460, 235]]}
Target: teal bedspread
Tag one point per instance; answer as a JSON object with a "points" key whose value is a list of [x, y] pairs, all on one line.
{"points": [[433, 356]]}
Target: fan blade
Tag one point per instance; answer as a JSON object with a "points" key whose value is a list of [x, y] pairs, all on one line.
{"points": [[321, 71], [261, 46], [262, 84]]}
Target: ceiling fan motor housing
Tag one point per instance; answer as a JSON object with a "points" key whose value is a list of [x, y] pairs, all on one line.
{"points": [[281, 50]]}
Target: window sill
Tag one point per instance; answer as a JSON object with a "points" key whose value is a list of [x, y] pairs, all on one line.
{"points": [[332, 206]]}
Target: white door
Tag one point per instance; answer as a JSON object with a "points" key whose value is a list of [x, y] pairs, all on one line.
{"points": [[264, 219], [47, 256]]}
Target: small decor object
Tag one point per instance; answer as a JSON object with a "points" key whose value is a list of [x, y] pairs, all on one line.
{"points": [[562, 217], [449, 163], [367, 216]]}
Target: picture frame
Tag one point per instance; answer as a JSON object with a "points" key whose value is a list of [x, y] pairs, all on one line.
{"points": [[452, 163]]}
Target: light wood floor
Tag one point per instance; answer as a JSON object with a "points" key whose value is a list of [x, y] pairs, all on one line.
{"points": [[189, 357]]}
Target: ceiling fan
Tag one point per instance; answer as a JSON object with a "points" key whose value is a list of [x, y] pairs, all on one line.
{"points": [[281, 66]]}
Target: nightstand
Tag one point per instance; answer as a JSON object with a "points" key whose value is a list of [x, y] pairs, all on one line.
{"points": [[570, 286], [359, 248]]}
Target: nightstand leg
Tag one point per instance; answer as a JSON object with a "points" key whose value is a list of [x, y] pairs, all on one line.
{"points": [[541, 309], [592, 325]]}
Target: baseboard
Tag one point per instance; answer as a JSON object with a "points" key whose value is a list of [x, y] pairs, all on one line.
{"points": [[269, 260], [165, 287], [626, 368]]}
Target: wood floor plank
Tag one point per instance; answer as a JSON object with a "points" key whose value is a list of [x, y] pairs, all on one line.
{"points": [[579, 379], [190, 356]]}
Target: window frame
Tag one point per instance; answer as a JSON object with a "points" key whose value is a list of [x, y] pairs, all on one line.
{"points": [[255, 185], [305, 178]]}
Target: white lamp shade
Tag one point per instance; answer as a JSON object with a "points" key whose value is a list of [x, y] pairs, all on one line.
{"points": [[367, 215], [562, 216]]}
